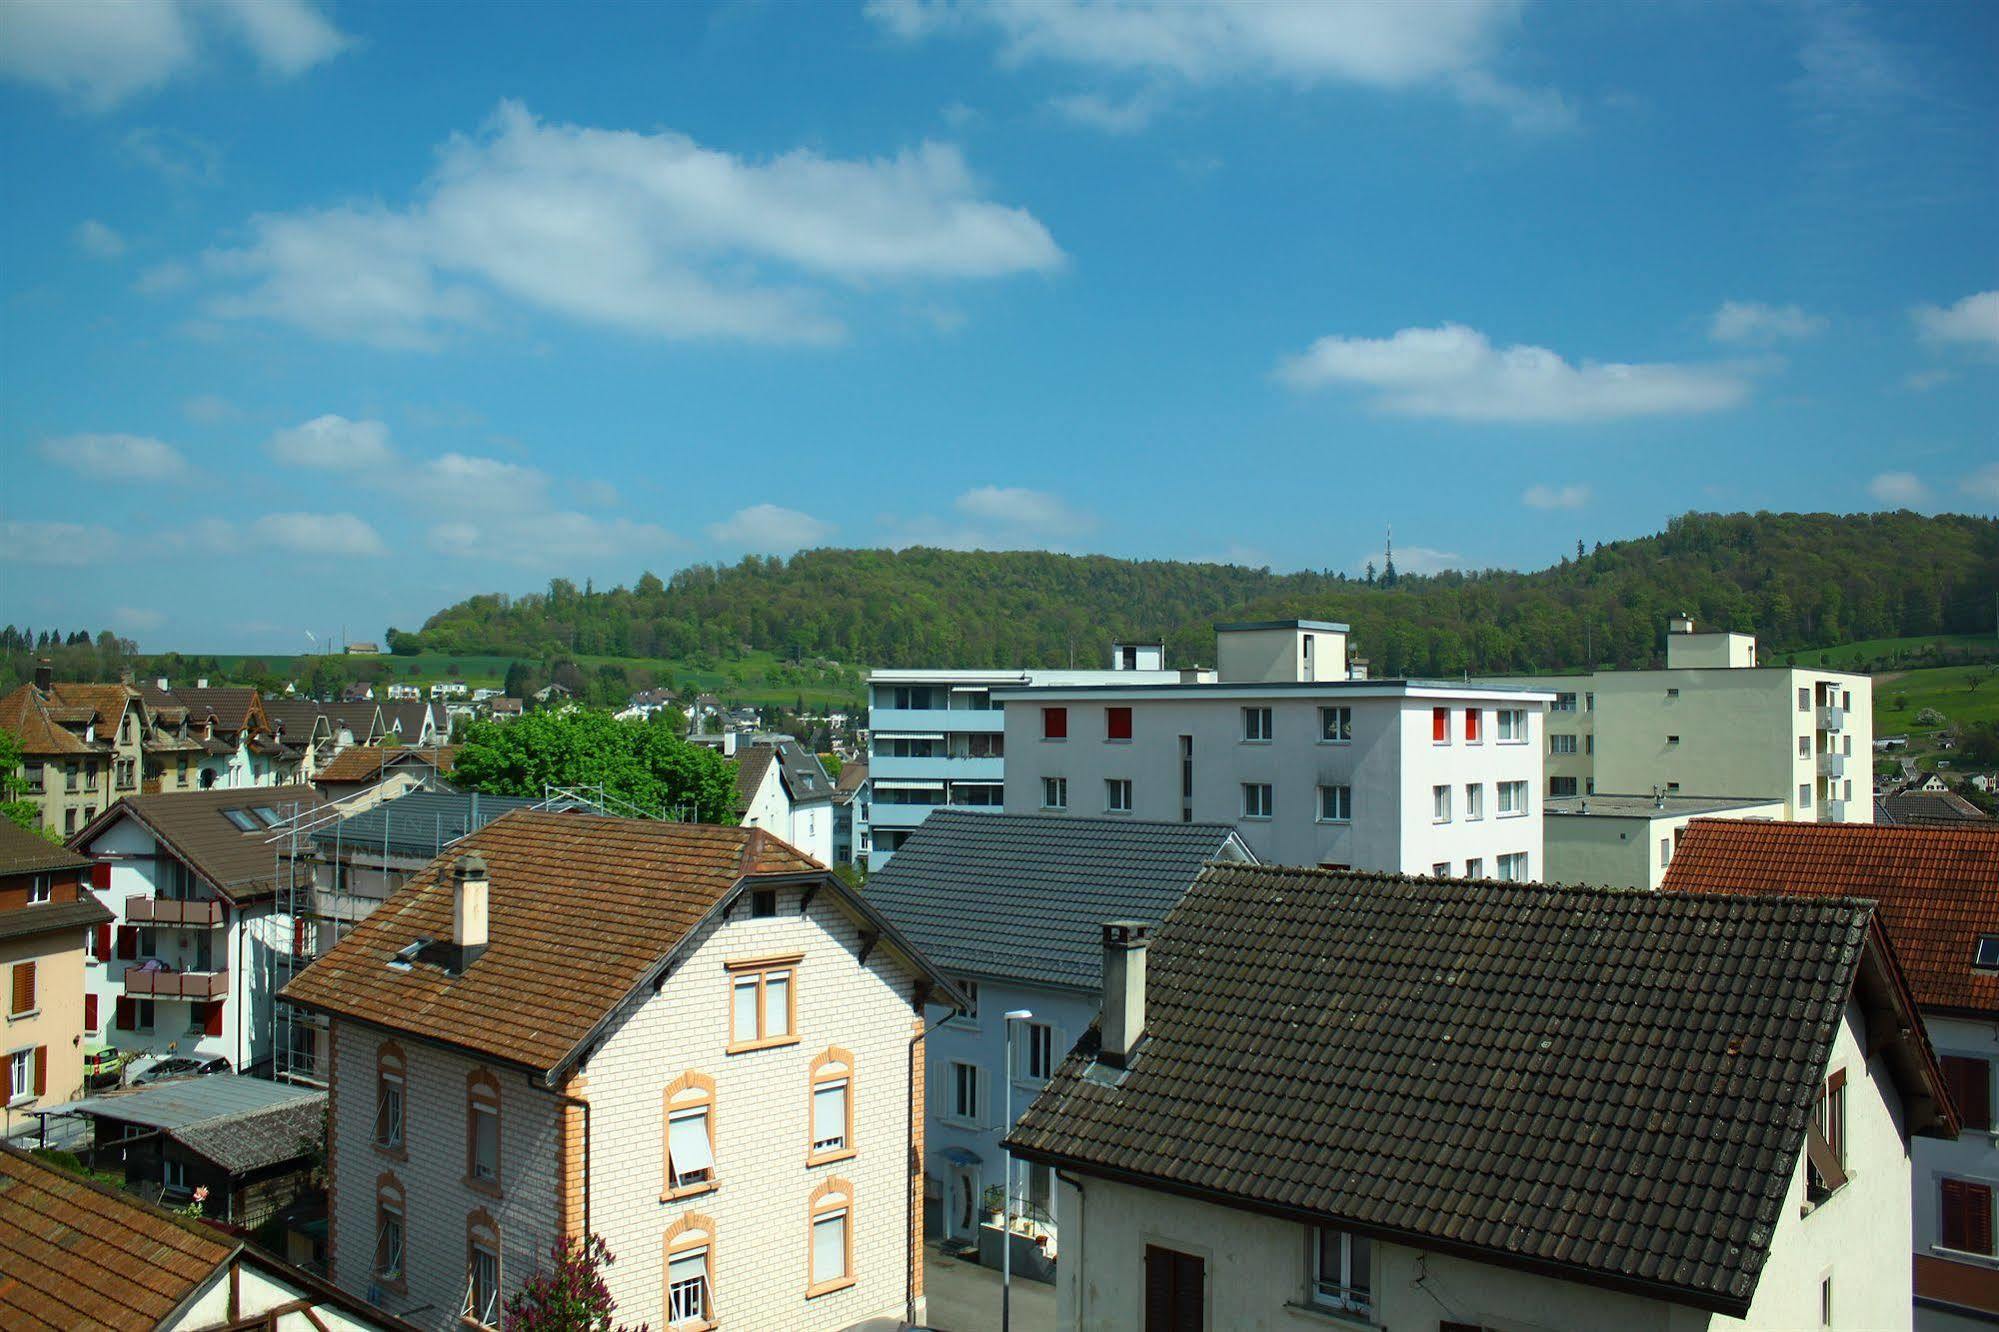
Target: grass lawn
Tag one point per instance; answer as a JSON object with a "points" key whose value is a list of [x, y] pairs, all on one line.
{"points": [[1960, 693], [1858, 656]]}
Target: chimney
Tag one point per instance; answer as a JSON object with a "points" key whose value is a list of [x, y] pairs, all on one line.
{"points": [[1124, 989], [202, 683], [45, 675], [126, 677], [469, 890], [162, 683]]}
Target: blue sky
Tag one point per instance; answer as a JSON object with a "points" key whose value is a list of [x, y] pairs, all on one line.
{"points": [[330, 314]]}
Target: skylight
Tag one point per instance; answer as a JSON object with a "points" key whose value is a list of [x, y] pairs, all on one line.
{"points": [[1988, 952], [270, 816], [241, 818]]}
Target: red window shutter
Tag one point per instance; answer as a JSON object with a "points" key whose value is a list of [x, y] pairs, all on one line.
{"points": [[1055, 723], [1471, 723], [1440, 725], [1117, 723], [100, 874], [103, 947], [1977, 1219], [213, 1026], [90, 1012], [1951, 1192], [41, 1070], [127, 1014], [128, 942]]}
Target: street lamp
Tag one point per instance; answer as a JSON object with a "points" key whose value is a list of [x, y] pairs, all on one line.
{"points": [[1006, 1194]]}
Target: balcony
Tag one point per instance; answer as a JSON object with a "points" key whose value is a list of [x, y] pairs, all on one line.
{"points": [[1832, 719], [1832, 765], [900, 816], [176, 984], [934, 721], [169, 911], [1832, 811], [937, 769]]}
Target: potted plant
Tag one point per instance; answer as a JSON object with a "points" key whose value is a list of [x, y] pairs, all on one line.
{"points": [[993, 1202]]}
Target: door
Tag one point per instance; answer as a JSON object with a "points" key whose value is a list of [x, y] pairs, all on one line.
{"points": [[1175, 1291], [961, 1211]]}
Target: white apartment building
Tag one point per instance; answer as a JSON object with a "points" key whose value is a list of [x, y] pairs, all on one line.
{"points": [[1714, 723], [937, 738], [1310, 766]]}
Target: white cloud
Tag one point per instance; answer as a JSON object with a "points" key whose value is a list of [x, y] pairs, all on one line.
{"points": [[1759, 324], [1556, 497], [1922, 381], [1412, 560], [1016, 506], [554, 542], [176, 156], [1904, 490], [335, 444], [597, 494], [1112, 115], [335, 535], [1974, 319], [1383, 44], [645, 233], [489, 485], [769, 529], [96, 54], [133, 619], [210, 409], [115, 457], [70, 545], [995, 518], [1455, 373], [163, 278], [1982, 484], [94, 238]]}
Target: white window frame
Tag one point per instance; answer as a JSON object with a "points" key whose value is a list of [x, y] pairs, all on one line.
{"points": [[173, 1176], [1035, 1056], [1513, 799], [1510, 726], [1058, 788], [842, 1216], [1114, 788], [392, 1087], [1475, 867], [969, 1020], [1255, 719], [1336, 803], [21, 1075], [963, 1074], [1268, 800], [838, 1142], [694, 1176], [677, 1311], [489, 1316], [39, 891], [1513, 867], [1339, 1289], [1336, 725], [1440, 803], [389, 1220], [1474, 801], [482, 1115]]}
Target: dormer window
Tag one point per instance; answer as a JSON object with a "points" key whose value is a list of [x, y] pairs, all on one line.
{"points": [[1987, 952]]}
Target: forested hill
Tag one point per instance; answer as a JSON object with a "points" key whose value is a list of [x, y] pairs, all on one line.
{"points": [[1796, 580]]}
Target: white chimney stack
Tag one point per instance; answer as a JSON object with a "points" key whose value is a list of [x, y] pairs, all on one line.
{"points": [[1123, 1025], [469, 890]]}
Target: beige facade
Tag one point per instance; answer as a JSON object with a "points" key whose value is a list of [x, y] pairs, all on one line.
{"points": [[1627, 841], [44, 916]]}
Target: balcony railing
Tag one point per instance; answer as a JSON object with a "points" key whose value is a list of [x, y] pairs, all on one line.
{"points": [[1832, 765], [1832, 719], [176, 984], [168, 911], [1832, 811]]}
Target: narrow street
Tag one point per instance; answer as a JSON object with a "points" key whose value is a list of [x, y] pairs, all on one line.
{"points": [[965, 1297]]}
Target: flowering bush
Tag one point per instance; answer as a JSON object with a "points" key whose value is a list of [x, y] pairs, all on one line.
{"points": [[572, 1297]]}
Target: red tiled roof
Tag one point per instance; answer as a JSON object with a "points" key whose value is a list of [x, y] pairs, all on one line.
{"points": [[1938, 888], [364, 763]]}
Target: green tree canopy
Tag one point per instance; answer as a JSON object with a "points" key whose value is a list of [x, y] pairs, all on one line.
{"points": [[643, 764]]}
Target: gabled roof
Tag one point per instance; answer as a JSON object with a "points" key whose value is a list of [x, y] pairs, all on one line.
{"points": [[804, 778], [1603, 1086], [24, 852], [301, 720], [233, 706], [366, 763], [1929, 807], [1937, 887], [582, 910], [751, 766], [363, 719], [1022, 897], [420, 824], [32, 718], [241, 864]]}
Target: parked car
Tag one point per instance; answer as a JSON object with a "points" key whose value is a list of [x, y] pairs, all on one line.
{"points": [[102, 1066], [180, 1066]]}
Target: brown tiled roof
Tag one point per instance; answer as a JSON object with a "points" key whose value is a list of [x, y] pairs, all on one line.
{"points": [[24, 852], [241, 865], [1611, 1087], [364, 763], [364, 719], [301, 718], [234, 706], [82, 1256], [1938, 888], [26, 715], [70, 917], [582, 909]]}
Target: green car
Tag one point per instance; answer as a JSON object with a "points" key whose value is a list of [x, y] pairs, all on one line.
{"points": [[102, 1066]]}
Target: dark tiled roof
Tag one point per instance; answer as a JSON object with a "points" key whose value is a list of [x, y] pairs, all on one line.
{"points": [[1938, 888], [242, 865], [421, 823], [24, 852], [234, 706], [260, 1138], [79, 915], [1022, 896], [853, 773], [750, 769], [1611, 1086], [803, 776], [582, 909], [1929, 807]]}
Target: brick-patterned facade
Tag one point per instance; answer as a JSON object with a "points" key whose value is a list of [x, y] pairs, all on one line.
{"points": [[916, 1103]]}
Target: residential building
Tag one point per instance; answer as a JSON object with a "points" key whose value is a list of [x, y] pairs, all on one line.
{"points": [[1011, 906], [240, 745], [1937, 894], [1310, 766], [1622, 841], [1925, 808], [84, 746], [781, 788], [303, 724], [80, 1254], [360, 767], [364, 649], [355, 723], [192, 880], [690, 1040], [938, 739], [417, 723], [45, 911], [1422, 1103], [506, 709], [852, 797], [1713, 723], [246, 1144]]}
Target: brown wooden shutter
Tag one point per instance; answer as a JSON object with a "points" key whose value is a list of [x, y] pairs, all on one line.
{"points": [[1969, 1082], [1977, 1219], [212, 1026], [1189, 1293], [103, 946], [1952, 1194], [90, 1012], [128, 942], [24, 987], [1159, 1289], [126, 1014], [42, 1079]]}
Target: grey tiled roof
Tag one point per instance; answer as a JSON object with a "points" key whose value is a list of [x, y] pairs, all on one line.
{"points": [[422, 823], [259, 1138], [1614, 1083], [1022, 896]]}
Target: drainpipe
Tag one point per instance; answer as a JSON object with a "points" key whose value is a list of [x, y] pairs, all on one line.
{"points": [[909, 1198], [1075, 1283], [567, 1099]]}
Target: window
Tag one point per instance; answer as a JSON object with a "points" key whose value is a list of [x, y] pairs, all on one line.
{"points": [[970, 1017], [1256, 800], [390, 1095], [1672, 742], [1475, 867], [1176, 1298], [1055, 723], [1440, 804], [1512, 725], [1336, 725], [39, 892], [23, 990], [173, 1175], [1825, 1302], [1441, 869], [1665, 852], [1561, 787], [763, 903], [1672, 693], [763, 1003], [965, 1099], [1256, 724], [389, 1245], [1474, 800], [1472, 736], [1969, 1081], [1804, 795], [1335, 804], [241, 818], [21, 1070], [1342, 1271], [1825, 1139], [690, 1135], [482, 1128], [1804, 746], [482, 1270], [1561, 744], [1512, 799], [1966, 1216], [1804, 698], [689, 1273], [1055, 793], [1117, 723], [1440, 725], [1035, 1055], [1563, 703], [1513, 866], [831, 1215], [832, 1107], [1117, 795]]}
